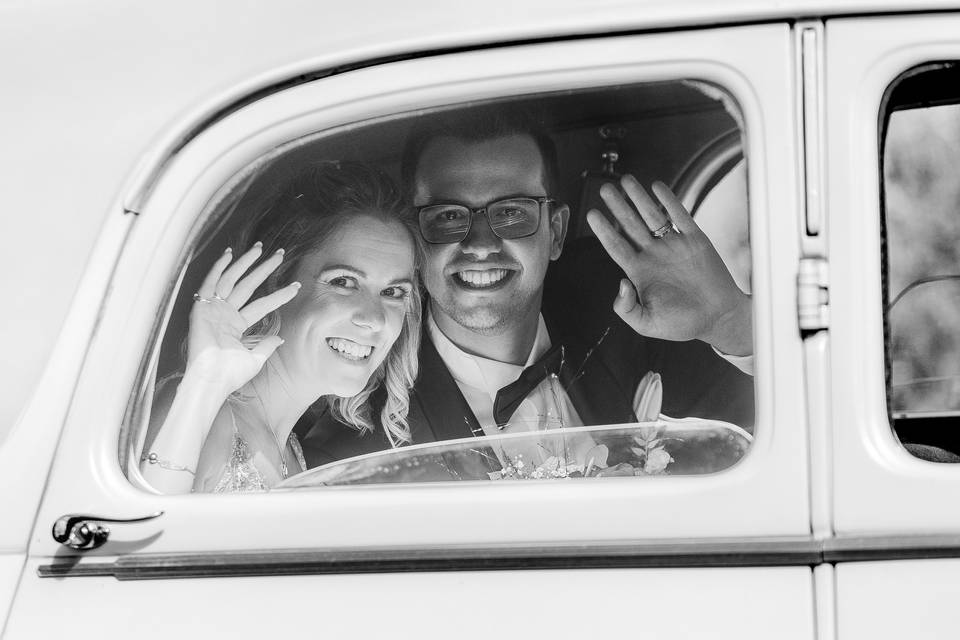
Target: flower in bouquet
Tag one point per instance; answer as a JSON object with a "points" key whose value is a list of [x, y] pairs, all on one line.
{"points": [[657, 461], [554, 466]]}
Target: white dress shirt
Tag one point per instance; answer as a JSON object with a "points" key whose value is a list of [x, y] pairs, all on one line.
{"points": [[547, 407]]}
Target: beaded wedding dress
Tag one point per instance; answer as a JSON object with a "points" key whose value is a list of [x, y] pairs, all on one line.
{"points": [[247, 467], [240, 473]]}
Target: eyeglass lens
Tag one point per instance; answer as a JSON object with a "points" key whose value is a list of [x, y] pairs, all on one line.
{"points": [[509, 219]]}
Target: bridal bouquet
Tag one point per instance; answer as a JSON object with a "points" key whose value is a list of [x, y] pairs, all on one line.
{"points": [[650, 457], [664, 447]]}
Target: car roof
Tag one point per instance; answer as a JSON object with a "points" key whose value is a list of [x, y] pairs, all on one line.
{"points": [[504, 21], [583, 15]]}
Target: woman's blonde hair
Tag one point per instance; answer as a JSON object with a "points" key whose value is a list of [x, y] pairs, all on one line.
{"points": [[307, 209]]}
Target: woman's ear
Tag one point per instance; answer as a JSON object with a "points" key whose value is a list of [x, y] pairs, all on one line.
{"points": [[559, 218]]}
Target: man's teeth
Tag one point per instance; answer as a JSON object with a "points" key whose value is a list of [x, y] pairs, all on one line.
{"points": [[349, 348], [483, 278]]}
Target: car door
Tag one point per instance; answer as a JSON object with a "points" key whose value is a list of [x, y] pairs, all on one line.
{"points": [[891, 114], [725, 554]]}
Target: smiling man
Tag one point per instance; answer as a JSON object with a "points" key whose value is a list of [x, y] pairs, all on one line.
{"points": [[516, 338], [485, 266]]}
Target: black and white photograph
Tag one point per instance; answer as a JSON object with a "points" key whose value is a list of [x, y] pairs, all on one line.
{"points": [[346, 319]]}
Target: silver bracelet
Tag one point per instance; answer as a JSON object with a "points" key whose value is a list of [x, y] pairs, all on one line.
{"points": [[153, 458]]}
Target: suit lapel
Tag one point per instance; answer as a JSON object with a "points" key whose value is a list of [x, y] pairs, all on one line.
{"points": [[439, 411], [596, 393]]}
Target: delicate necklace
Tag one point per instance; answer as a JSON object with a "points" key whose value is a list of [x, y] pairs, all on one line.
{"points": [[284, 471]]}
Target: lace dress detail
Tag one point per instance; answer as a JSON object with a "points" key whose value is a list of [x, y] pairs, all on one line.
{"points": [[240, 474]]}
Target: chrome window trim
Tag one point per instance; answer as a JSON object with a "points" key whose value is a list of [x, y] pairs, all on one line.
{"points": [[780, 552]]}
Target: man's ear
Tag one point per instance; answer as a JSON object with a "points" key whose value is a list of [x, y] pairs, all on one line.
{"points": [[559, 218]]}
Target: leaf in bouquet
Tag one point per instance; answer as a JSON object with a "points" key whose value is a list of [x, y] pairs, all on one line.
{"points": [[640, 453], [644, 435]]}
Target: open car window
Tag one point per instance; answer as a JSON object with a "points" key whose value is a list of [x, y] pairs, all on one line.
{"points": [[611, 402]]}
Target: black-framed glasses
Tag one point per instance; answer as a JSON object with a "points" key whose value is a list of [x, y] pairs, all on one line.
{"points": [[509, 218]]}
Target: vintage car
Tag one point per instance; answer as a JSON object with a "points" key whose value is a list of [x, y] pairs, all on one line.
{"points": [[815, 143]]}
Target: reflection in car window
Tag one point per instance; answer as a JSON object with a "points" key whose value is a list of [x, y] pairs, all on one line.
{"points": [[466, 294], [721, 217], [921, 197]]}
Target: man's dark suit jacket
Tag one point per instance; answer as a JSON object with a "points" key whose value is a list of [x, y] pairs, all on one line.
{"points": [[604, 360]]}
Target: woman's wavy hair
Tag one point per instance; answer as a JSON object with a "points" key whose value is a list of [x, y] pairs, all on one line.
{"points": [[307, 210]]}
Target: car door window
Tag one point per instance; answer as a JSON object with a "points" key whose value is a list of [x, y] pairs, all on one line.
{"points": [[684, 408], [921, 153]]}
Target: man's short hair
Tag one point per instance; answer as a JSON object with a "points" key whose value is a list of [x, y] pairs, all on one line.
{"points": [[479, 124]]}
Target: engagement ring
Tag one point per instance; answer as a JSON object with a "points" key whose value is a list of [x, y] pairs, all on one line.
{"points": [[664, 230]]}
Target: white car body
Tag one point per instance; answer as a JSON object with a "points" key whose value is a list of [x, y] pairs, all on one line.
{"points": [[121, 120]]}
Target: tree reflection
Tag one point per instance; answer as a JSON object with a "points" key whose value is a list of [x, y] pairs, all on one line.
{"points": [[922, 194]]}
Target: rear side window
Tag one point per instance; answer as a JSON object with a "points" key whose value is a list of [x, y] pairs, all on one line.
{"points": [[423, 298], [921, 195]]}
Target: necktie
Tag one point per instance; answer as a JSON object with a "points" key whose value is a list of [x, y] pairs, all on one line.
{"points": [[509, 397]]}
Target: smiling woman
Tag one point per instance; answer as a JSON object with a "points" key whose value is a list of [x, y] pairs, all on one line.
{"points": [[329, 315]]}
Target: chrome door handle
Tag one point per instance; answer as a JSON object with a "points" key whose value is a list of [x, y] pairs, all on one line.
{"points": [[88, 532]]}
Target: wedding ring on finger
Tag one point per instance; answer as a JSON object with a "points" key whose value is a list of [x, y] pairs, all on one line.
{"points": [[199, 298], [217, 297], [664, 230]]}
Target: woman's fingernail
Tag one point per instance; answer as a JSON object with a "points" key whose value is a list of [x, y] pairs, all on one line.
{"points": [[257, 244], [281, 251], [296, 285], [623, 289], [228, 250]]}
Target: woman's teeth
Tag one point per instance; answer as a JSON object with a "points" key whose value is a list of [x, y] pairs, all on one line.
{"points": [[486, 278], [349, 349]]}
